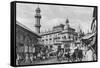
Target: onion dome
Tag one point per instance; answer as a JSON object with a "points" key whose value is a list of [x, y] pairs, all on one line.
{"points": [[38, 10]]}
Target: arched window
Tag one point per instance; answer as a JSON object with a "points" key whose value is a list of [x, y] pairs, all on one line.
{"points": [[69, 37], [64, 37]]}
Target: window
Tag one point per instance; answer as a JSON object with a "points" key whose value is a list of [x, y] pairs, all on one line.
{"points": [[46, 39], [69, 37], [50, 39], [42, 40], [51, 46], [76, 38], [64, 37], [58, 37]]}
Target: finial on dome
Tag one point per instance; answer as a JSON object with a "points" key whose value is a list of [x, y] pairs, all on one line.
{"points": [[67, 24], [38, 9], [67, 21]]}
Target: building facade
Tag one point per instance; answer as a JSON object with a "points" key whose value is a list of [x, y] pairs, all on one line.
{"points": [[61, 35], [26, 40]]}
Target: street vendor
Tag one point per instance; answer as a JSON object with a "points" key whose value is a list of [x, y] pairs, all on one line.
{"points": [[90, 52]]}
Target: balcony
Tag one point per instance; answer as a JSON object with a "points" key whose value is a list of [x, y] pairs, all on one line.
{"points": [[65, 40]]}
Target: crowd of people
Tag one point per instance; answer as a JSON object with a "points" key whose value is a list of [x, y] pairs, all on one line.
{"points": [[84, 52]]}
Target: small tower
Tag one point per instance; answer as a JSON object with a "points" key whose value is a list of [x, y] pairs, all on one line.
{"points": [[67, 23], [37, 19]]}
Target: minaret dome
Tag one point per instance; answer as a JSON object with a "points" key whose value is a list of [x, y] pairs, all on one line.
{"points": [[37, 19]]}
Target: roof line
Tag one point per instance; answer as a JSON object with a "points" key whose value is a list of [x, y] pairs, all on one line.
{"points": [[25, 27]]}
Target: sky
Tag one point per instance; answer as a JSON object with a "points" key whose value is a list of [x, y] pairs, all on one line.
{"points": [[53, 15]]}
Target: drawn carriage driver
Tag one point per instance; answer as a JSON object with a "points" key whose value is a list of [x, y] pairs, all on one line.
{"points": [[94, 32], [91, 44], [94, 37]]}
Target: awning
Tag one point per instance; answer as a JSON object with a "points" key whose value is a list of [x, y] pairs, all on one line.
{"points": [[88, 36]]}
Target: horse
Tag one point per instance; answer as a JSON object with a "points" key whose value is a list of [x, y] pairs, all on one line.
{"points": [[77, 55], [67, 56], [60, 55]]}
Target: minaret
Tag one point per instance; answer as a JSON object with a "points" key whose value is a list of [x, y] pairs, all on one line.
{"points": [[37, 20]]}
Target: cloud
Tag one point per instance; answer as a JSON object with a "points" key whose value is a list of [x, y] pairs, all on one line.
{"points": [[51, 23], [53, 15]]}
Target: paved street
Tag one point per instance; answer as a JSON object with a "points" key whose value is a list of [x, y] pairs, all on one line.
{"points": [[51, 60]]}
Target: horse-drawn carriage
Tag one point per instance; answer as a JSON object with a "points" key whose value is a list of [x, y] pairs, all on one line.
{"points": [[68, 56]]}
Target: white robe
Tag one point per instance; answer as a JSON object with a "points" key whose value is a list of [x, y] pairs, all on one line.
{"points": [[89, 55]]}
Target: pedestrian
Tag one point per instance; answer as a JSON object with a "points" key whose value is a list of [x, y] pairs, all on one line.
{"points": [[31, 58], [17, 60], [89, 54]]}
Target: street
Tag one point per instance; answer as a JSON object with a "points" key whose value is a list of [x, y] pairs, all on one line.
{"points": [[46, 61]]}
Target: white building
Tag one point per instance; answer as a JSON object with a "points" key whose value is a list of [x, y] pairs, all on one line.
{"points": [[61, 35]]}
